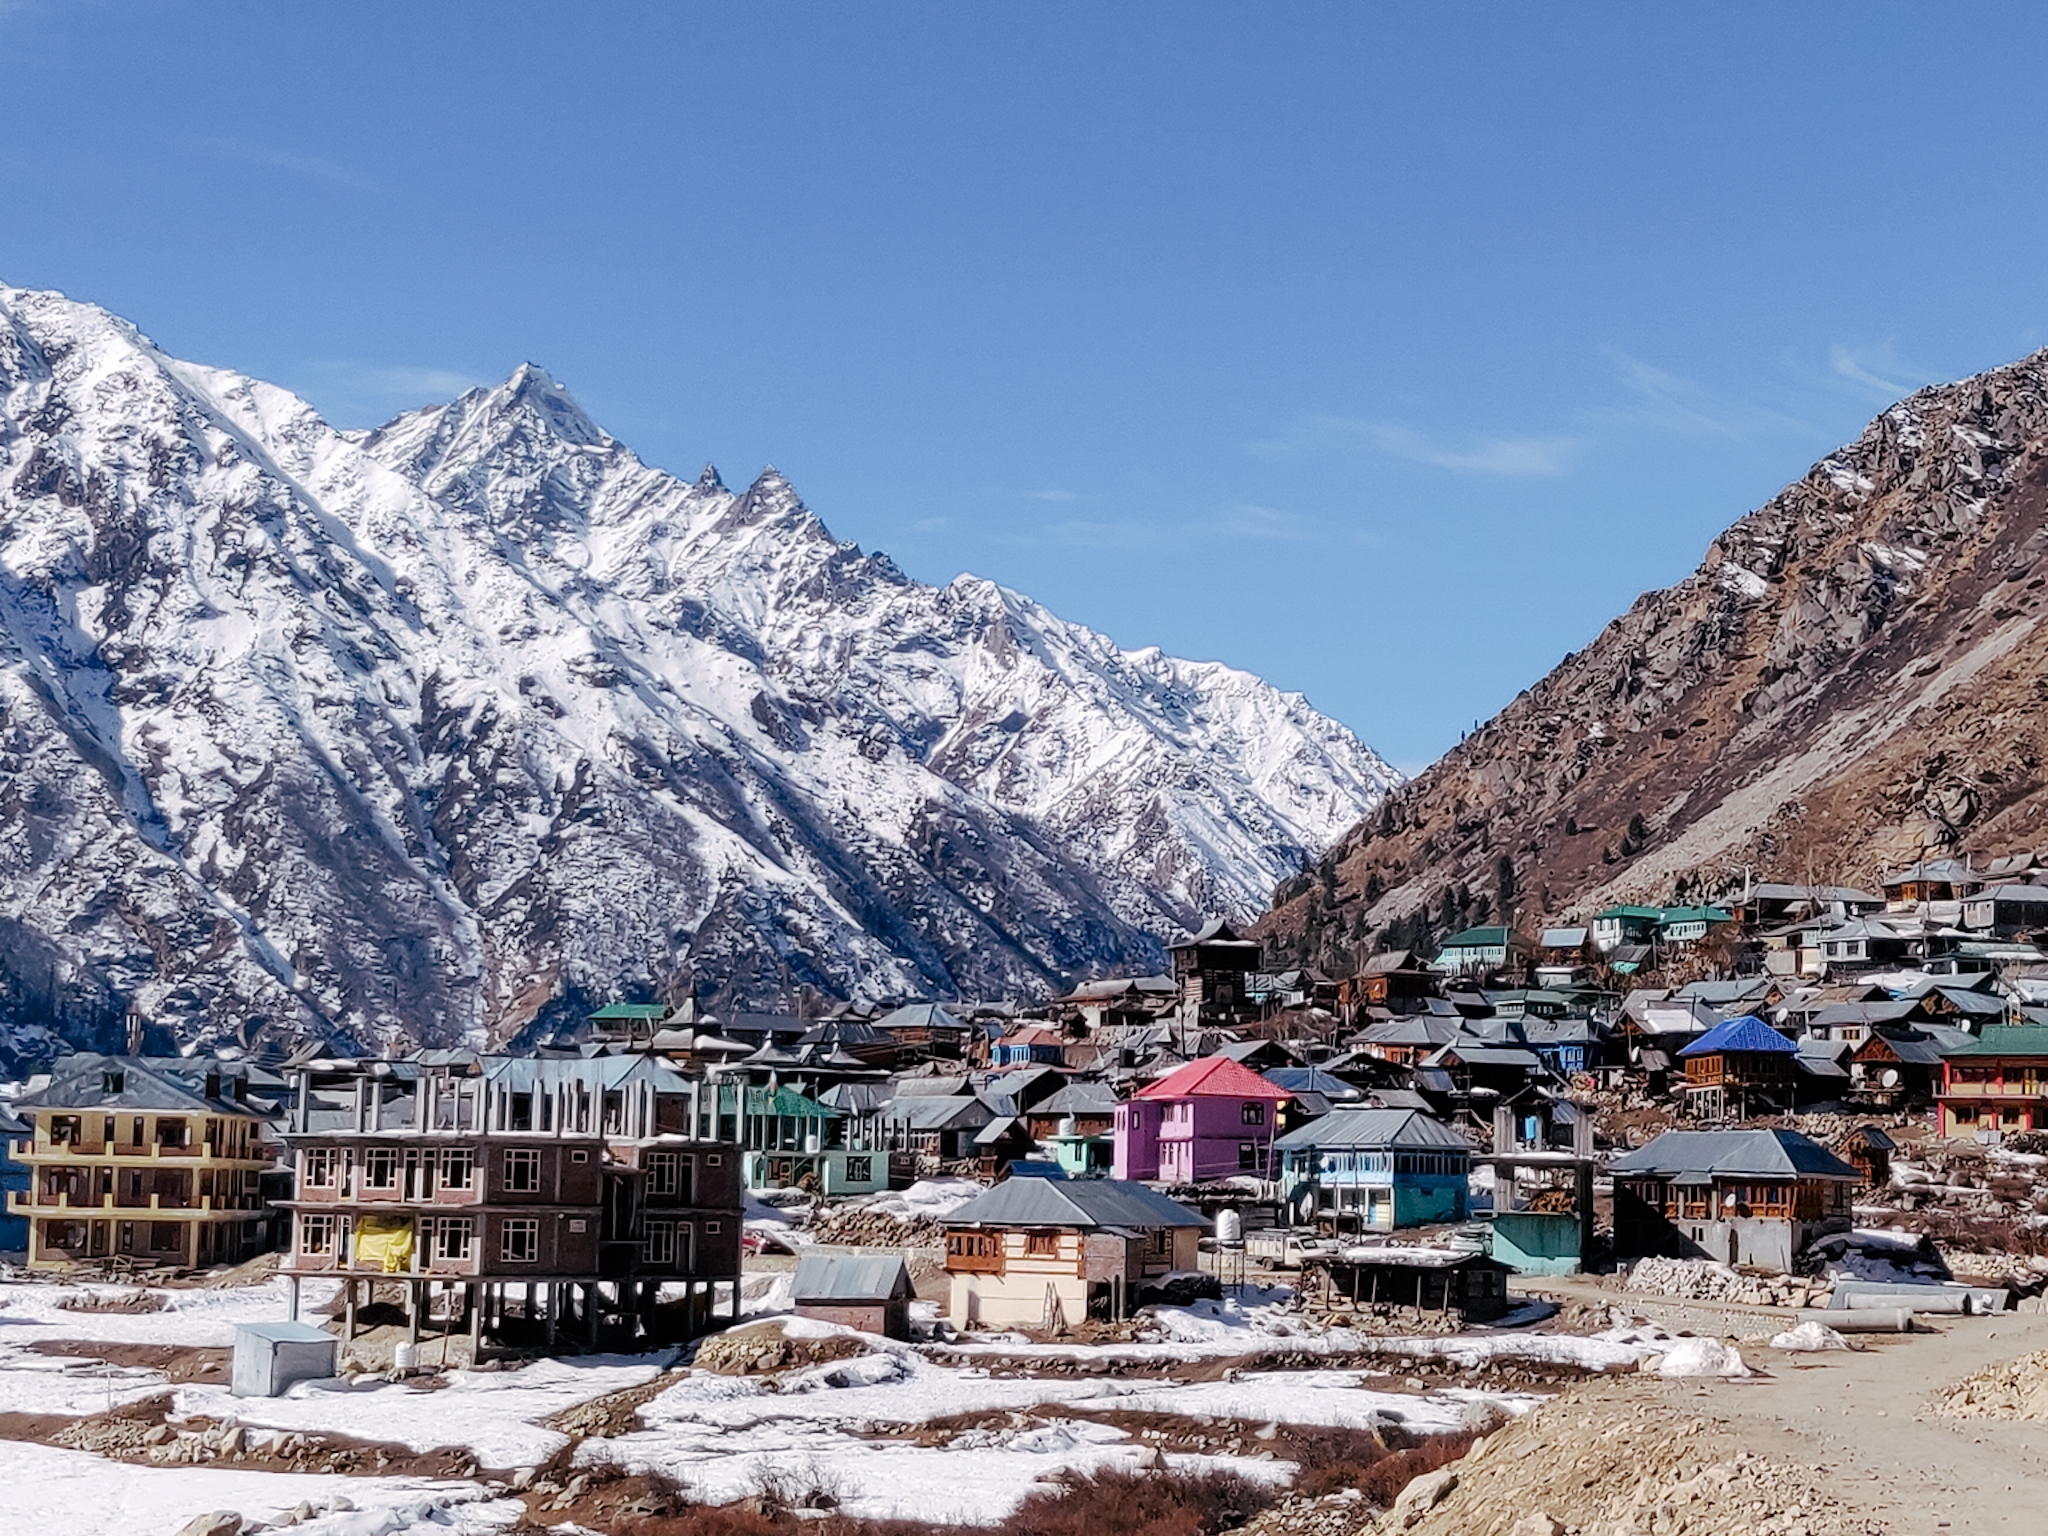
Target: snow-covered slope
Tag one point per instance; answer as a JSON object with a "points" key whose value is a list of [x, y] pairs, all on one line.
{"points": [[474, 718]]}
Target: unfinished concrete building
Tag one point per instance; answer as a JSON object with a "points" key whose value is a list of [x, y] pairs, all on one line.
{"points": [[520, 1200]]}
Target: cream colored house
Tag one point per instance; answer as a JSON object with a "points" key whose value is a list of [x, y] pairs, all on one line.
{"points": [[1041, 1252]]}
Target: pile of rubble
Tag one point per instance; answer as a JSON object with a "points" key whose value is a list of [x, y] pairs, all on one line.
{"points": [[762, 1349], [860, 1226], [615, 1413], [2012, 1389], [1703, 1280], [1614, 1468]]}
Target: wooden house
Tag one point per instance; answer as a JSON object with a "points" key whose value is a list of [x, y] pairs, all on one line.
{"points": [[1425, 1279], [1046, 1253], [1896, 1065], [1737, 1068], [1755, 1197], [1213, 971], [1397, 980], [868, 1292], [2007, 910], [144, 1161]]}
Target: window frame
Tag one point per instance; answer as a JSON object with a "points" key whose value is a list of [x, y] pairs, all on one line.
{"points": [[522, 1158], [526, 1227]]}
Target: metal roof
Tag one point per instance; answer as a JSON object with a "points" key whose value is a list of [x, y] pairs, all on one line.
{"points": [[1737, 1154], [1211, 1077], [851, 1277], [1748, 1033], [1036, 1202], [1399, 1129], [2007, 1040]]}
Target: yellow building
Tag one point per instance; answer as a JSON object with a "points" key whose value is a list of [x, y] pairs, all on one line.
{"points": [[149, 1161]]}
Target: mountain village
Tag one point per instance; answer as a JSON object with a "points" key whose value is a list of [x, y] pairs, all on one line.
{"points": [[1399, 1207]]}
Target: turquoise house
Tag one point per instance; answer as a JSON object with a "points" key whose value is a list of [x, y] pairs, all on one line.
{"points": [[1375, 1169]]}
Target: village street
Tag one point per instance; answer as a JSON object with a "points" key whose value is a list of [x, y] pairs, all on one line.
{"points": [[1863, 1415]]}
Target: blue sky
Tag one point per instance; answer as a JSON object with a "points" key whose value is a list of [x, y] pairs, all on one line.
{"points": [[1387, 351]]}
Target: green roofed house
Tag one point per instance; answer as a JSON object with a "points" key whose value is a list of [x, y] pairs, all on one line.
{"points": [[1618, 926], [791, 1141], [1997, 1084], [1691, 925], [1476, 949]]}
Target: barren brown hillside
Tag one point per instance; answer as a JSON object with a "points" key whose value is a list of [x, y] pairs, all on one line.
{"points": [[1857, 672]]}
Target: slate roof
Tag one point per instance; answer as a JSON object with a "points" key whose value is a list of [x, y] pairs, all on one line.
{"points": [[1211, 1077], [844, 1277], [1036, 1202], [174, 1084], [1400, 1129], [1736, 1154], [1748, 1033]]}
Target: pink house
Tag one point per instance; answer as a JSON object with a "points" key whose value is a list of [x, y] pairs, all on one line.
{"points": [[1207, 1120]]}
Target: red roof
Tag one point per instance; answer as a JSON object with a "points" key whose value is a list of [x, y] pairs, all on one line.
{"points": [[1212, 1077]]}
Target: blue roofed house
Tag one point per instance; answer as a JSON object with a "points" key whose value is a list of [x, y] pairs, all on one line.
{"points": [[1740, 1066], [1375, 1169]]}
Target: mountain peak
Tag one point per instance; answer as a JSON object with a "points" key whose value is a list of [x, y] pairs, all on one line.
{"points": [[708, 482], [532, 390]]}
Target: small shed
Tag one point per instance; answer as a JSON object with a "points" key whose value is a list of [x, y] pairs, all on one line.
{"points": [[1427, 1279], [870, 1292], [271, 1357]]}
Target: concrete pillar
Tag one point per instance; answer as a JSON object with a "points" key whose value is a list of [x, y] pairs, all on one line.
{"points": [[476, 1323], [348, 1326], [590, 1307], [554, 1310], [415, 1304], [295, 1298]]}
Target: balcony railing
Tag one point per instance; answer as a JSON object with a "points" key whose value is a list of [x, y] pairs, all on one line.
{"points": [[24, 1150], [26, 1201]]}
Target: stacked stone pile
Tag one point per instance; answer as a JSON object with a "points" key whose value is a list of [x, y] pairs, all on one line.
{"points": [[859, 1226], [2012, 1389], [1703, 1280]]}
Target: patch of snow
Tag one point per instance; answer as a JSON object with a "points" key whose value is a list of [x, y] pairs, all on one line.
{"points": [[1701, 1357], [1809, 1336]]}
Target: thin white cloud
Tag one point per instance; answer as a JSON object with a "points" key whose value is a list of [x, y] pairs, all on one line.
{"points": [[1247, 521], [1050, 495], [1677, 404], [285, 160], [1508, 457], [1860, 371]]}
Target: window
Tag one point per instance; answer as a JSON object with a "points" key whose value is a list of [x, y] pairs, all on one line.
{"points": [[711, 1227], [170, 1133], [522, 1114], [451, 1237], [458, 1168], [860, 1170], [316, 1234], [522, 1240], [316, 1167], [1162, 1240], [1247, 1154], [113, 1082], [522, 1171], [135, 1131], [714, 1159], [380, 1168], [661, 1242], [1253, 1114], [65, 1131], [1042, 1245], [579, 1156], [662, 1172]]}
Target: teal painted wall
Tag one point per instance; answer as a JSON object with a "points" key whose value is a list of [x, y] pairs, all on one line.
{"points": [[1536, 1242]]}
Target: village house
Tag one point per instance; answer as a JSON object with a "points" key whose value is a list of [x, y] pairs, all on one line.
{"points": [[2007, 910], [529, 1194], [1933, 886], [1897, 1065], [1374, 1170], [868, 1292], [1479, 950], [1213, 971], [1045, 1253], [1211, 1119], [1029, 1044], [1739, 1067], [150, 1161], [1997, 1084], [1396, 980], [1749, 1197], [793, 1141], [15, 1133], [1619, 926]]}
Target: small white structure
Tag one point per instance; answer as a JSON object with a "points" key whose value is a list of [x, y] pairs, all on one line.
{"points": [[270, 1357]]}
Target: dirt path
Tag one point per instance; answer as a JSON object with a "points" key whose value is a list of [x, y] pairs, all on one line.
{"points": [[1866, 1413]]}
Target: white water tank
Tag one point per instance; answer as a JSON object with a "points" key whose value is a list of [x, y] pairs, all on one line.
{"points": [[1229, 1228], [1067, 1125]]}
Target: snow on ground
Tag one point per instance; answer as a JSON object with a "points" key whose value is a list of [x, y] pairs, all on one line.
{"points": [[978, 1481], [198, 1318], [496, 1415], [70, 1493], [927, 1197], [35, 1383]]}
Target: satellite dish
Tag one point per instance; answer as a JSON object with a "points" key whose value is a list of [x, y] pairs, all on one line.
{"points": [[1889, 1077]]}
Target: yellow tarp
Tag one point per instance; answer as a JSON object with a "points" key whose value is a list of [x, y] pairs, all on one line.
{"points": [[385, 1240]]}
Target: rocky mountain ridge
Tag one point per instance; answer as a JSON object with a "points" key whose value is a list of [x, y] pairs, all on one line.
{"points": [[442, 730], [1854, 676]]}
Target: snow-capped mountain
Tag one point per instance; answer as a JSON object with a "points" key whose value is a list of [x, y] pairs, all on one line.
{"points": [[432, 731]]}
